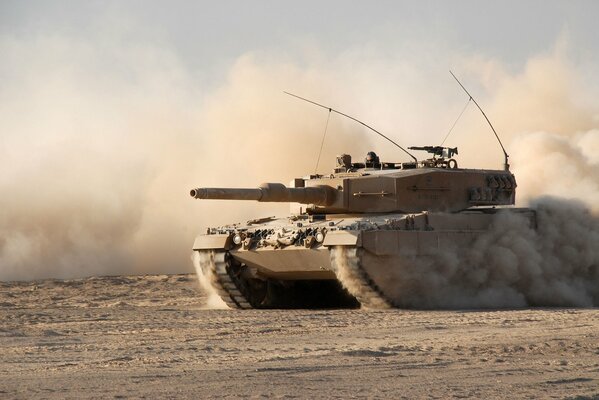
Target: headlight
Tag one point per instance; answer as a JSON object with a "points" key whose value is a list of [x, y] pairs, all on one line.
{"points": [[237, 238], [319, 237]]}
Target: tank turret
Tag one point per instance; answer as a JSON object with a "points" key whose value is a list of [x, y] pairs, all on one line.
{"points": [[390, 187]]}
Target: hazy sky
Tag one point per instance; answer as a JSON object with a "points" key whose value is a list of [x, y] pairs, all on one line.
{"points": [[208, 35]]}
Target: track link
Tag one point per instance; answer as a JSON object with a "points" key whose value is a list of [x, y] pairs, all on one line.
{"points": [[347, 263], [216, 265]]}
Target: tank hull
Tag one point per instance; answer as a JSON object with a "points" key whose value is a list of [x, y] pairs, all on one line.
{"points": [[340, 260]]}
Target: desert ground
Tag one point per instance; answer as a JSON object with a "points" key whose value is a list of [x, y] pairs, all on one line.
{"points": [[153, 337]]}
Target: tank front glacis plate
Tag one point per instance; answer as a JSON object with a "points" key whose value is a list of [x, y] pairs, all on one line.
{"points": [[286, 248], [294, 248]]}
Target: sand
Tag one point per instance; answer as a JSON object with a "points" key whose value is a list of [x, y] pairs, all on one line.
{"points": [[151, 337]]}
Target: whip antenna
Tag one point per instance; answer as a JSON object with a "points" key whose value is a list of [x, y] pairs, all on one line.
{"points": [[322, 143], [456, 121], [506, 166], [353, 119]]}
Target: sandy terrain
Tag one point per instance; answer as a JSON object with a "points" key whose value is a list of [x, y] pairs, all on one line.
{"points": [[136, 337]]}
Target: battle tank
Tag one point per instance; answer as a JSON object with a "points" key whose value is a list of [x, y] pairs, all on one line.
{"points": [[352, 234], [333, 250]]}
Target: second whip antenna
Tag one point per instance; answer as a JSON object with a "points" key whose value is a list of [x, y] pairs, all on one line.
{"points": [[353, 119]]}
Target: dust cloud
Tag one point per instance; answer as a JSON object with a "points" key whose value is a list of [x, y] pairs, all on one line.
{"points": [[103, 138], [207, 280], [565, 166], [345, 260], [511, 265]]}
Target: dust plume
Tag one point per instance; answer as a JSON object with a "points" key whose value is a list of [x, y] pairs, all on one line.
{"points": [[564, 166], [514, 264], [207, 280], [102, 141], [347, 269]]}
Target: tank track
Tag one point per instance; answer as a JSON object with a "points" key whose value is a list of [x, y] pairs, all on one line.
{"points": [[347, 263], [223, 281]]}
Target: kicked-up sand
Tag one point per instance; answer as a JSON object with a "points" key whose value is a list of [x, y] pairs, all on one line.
{"points": [[151, 337]]}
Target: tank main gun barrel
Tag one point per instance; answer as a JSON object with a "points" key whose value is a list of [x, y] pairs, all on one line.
{"points": [[271, 192]]}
